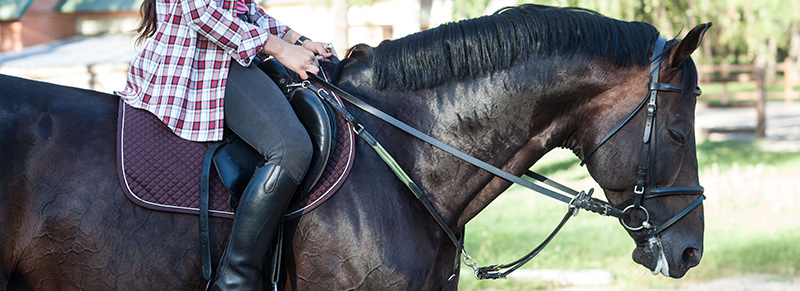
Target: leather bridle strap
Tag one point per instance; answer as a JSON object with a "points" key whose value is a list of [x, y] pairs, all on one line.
{"points": [[653, 87], [658, 229], [494, 271], [613, 131], [647, 161], [581, 200], [649, 125], [596, 204]]}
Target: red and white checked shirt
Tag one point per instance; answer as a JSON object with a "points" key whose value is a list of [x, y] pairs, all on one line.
{"points": [[180, 74]]}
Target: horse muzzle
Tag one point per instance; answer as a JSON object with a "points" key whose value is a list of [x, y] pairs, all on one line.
{"points": [[668, 259]]}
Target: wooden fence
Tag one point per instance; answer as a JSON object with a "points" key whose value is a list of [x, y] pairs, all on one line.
{"points": [[726, 73]]}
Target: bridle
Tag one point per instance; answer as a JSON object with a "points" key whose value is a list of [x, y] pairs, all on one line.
{"points": [[644, 188], [645, 182]]}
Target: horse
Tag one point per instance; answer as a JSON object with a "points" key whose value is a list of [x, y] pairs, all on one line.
{"points": [[505, 88]]}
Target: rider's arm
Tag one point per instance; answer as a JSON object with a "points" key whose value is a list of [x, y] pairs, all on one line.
{"points": [[238, 38]]}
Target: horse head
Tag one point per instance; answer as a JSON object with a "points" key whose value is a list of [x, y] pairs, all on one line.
{"points": [[651, 173], [508, 87]]}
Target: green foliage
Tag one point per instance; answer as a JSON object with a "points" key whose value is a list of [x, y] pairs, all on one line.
{"points": [[463, 9], [360, 2], [13, 9], [744, 31]]}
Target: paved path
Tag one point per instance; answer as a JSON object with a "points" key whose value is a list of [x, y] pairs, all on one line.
{"points": [[744, 283], [783, 124]]}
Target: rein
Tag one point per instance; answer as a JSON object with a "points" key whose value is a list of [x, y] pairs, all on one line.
{"points": [[575, 200]]}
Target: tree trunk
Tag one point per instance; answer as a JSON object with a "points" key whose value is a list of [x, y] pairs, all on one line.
{"points": [[409, 22], [772, 60], [794, 52], [341, 37], [761, 102], [441, 12]]}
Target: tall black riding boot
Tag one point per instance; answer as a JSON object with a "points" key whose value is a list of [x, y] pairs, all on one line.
{"points": [[255, 223]]}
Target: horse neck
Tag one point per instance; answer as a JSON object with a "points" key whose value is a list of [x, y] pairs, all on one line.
{"points": [[508, 119], [562, 95]]}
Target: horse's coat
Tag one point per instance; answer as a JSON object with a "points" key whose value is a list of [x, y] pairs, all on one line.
{"points": [[66, 225]]}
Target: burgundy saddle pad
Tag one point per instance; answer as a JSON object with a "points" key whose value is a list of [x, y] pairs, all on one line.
{"points": [[160, 171]]}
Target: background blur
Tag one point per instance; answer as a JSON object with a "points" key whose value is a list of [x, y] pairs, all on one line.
{"points": [[748, 127]]}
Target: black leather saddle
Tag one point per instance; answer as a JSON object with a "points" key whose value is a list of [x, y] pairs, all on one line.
{"points": [[236, 161]]}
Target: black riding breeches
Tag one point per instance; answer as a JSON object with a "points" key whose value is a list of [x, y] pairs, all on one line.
{"points": [[258, 112]]}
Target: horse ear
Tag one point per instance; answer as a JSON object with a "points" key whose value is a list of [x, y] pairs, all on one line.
{"points": [[690, 43]]}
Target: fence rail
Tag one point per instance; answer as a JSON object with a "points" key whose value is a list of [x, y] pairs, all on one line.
{"points": [[726, 73]]}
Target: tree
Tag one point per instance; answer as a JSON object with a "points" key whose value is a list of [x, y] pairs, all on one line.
{"points": [[340, 8]]}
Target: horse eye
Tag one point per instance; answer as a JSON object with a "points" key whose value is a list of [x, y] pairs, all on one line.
{"points": [[677, 137]]}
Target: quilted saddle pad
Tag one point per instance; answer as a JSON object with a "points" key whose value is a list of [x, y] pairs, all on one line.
{"points": [[160, 171]]}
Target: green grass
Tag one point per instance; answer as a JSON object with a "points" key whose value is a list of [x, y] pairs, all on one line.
{"points": [[733, 87], [725, 154], [735, 242], [772, 251]]}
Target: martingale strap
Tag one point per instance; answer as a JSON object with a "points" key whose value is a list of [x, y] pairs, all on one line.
{"points": [[576, 200], [569, 198]]}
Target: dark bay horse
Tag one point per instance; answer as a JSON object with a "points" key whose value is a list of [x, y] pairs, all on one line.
{"points": [[505, 88]]}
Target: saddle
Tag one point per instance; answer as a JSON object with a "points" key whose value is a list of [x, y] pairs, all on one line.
{"points": [[161, 171], [236, 160]]}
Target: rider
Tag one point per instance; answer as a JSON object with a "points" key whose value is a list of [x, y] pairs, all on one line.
{"points": [[197, 69]]}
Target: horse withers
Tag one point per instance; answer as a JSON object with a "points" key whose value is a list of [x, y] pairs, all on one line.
{"points": [[504, 88]]}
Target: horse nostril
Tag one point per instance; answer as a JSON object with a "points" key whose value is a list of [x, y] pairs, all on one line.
{"points": [[691, 256]]}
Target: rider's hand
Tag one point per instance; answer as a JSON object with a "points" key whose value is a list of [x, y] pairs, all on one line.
{"points": [[294, 57], [323, 49]]}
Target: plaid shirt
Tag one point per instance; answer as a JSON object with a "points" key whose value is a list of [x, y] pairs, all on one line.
{"points": [[180, 74]]}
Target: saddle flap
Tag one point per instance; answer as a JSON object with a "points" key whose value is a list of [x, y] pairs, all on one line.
{"points": [[317, 118], [159, 170], [236, 160]]}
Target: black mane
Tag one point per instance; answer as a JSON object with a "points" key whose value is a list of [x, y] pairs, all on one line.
{"points": [[471, 47]]}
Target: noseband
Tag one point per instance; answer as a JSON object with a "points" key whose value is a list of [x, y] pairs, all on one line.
{"points": [[576, 200], [645, 189]]}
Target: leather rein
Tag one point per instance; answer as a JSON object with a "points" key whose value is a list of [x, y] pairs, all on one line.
{"points": [[575, 200]]}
